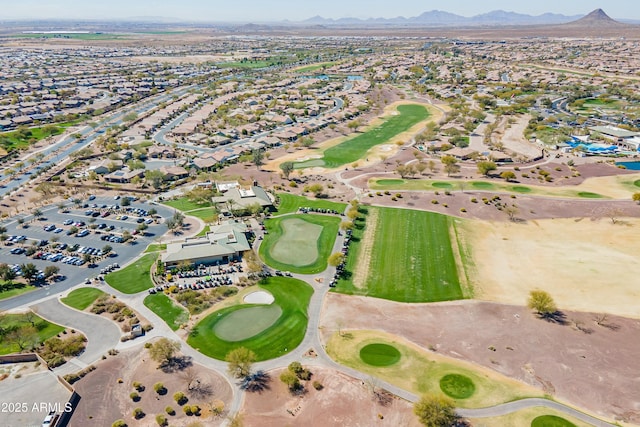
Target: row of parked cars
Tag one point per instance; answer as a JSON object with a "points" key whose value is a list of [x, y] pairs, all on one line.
{"points": [[340, 268]]}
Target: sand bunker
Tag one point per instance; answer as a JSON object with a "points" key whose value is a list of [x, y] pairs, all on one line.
{"points": [[258, 297]]}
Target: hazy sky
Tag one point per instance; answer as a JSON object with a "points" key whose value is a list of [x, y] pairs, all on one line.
{"points": [[274, 10]]}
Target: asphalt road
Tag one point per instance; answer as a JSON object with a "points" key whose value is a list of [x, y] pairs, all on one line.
{"points": [[102, 333]]}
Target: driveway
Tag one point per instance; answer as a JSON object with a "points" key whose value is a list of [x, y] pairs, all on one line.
{"points": [[102, 334]]}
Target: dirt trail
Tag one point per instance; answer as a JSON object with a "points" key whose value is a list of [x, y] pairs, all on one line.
{"points": [[366, 247]]}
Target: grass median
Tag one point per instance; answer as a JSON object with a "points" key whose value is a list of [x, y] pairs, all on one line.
{"points": [[134, 278]]}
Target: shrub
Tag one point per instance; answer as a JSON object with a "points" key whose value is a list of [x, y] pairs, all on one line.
{"points": [[138, 413], [447, 193], [138, 386], [169, 410], [134, 396], [159, 388], [293, 184], [318, 385], [119, 423], [180, 398], [187, 410], [474, 200], [434, 201], [161, 420], [463, 210], [399, 196]]}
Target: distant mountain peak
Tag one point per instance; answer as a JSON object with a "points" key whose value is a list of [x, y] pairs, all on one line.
{"points": [[597, 18]]}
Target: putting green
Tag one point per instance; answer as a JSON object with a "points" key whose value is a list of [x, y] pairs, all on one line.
{"points": [[442, 185], [298, 245], [482, 185], [589, 195], [551, 421], [379, 354], [247, 322], [457, 386]]}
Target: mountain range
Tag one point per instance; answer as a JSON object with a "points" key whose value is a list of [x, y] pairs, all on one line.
{"points": [[438, 18]]}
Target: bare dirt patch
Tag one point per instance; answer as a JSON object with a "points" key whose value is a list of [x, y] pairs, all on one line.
{"points": [[513, 137], [595, 370], [344, 401], [585, 264], [104, 399], [366, 247]]}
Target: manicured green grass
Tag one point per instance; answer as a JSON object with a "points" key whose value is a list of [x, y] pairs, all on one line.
{"points": [[283, 336], [419, 371], [589, 195], [457, 386], [410, 259], [43, 330], [390, 181], [482, 185], [183, 204], [290, 203], [330, 226], [247, 322], [313, 67], [173, 314], [205, 214], [12, 289], [437, 184], [135, 277], [19, 139], [82, 298], [537, 190], [551, 421], [355, 148], [156, 247], [246, 64], [379, 354], [521, 189], [204, 231]]}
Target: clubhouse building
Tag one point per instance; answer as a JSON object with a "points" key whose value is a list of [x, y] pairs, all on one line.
{"points": [[223, 243]]}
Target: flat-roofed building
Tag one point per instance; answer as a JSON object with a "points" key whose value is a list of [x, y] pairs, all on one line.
{"points": [[223, 243]]}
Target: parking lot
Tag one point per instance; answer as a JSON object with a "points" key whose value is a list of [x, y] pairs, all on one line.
{"points": [[75, 238]]}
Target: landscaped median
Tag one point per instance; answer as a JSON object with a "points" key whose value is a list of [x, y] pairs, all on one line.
{"points": [[82, 298], [420, 371], [134, 278], [275, 329], [173, 314]]}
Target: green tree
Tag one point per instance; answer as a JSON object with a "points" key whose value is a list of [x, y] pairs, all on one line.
{"points": [[51, 270], [354, 124], [163, 350], [155, 177], [240, 361], [435, 411], [636, 197], [508, 176], [486, 166], [287, 168], [542, 303], [336, 259], [6, 273], [291, 380], [257, 157], [29, 272]]}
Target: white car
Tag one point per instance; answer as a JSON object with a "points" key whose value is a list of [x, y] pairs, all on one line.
{"points": [[58, 230], [67, 222]]}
